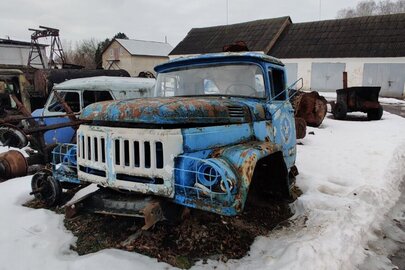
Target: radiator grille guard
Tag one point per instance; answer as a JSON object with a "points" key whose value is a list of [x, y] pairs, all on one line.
{"points": [[140, 160], [208, 184], [64, 163]]}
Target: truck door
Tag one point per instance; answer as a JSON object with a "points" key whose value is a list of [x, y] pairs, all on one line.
{"points": [[54, 108], [281, 114]]}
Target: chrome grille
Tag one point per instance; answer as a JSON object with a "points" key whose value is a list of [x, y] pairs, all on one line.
{"points": [[126, 152]]}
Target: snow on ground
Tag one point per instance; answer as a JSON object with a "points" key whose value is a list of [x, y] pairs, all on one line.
{"points": [[383, 100], [350, 172]]}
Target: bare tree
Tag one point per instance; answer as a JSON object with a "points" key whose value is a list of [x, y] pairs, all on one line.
{"points": [[82, 54], [370, 7], [388, 7]]}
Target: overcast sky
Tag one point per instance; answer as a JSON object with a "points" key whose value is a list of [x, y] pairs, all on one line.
{"points": [[149, 19]]}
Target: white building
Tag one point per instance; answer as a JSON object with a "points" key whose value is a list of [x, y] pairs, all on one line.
{"points": [[16, 53], [370, 49], [135, 56]]}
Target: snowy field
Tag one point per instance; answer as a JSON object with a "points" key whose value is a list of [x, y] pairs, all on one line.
{"points": [[350, 173]]}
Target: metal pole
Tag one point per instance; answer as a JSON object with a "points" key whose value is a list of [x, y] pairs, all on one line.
{"points": [[227, 12]]}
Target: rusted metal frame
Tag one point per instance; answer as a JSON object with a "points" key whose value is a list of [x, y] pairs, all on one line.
{"points": [[21, 108], [344, 79], [19, 118], [38, 137], [55, 126], [65, 106]]}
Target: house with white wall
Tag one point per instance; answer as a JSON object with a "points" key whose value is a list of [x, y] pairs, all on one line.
{"points": [[15, 53], [370, 49], [135, 56]]}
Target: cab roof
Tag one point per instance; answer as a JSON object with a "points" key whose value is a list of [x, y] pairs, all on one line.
{"points": [[106, 83], [211, 57]]}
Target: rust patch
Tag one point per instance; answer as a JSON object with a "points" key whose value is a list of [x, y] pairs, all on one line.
{"points": [[12, 164], [260, 111]]}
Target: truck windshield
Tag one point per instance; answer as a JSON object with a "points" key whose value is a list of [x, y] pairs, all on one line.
{"points": [[224, 80]]}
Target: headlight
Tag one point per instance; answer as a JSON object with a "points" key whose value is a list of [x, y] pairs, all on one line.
{"points": [[215, 174]]}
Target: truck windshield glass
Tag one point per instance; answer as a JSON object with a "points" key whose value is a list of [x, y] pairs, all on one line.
{"points": [[227, 80], [72, 99]]}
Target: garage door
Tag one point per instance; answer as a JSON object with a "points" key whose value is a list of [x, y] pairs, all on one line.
{"points": [[391, 78], [327, 76], [292, 72]]}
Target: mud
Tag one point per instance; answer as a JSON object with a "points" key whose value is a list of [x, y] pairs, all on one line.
{"points": [[200, 236]]}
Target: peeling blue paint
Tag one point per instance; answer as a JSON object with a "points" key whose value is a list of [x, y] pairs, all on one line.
{"points": [[220, 150]]}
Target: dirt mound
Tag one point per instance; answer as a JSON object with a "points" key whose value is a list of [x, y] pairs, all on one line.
{"points": [[202, 235]]}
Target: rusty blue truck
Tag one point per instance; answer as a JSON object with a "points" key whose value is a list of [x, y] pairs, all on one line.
{"points": [[218, 129]]}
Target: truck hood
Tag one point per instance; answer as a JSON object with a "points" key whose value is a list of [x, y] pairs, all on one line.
{"points": [[177, 110]]}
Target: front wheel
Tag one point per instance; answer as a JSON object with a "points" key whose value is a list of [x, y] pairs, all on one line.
{"points": [[375, 114], [340, 111], [46, 188]]}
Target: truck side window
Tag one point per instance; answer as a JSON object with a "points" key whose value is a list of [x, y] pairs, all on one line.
{"points": [[278, 84], [90, 97], [71, 98]]}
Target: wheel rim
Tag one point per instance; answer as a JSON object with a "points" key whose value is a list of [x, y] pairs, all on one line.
{"points": [[46, 193]]}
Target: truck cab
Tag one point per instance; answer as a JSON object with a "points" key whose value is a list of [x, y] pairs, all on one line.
{"points": [[13, 81], [217, 129], [79, 93]]}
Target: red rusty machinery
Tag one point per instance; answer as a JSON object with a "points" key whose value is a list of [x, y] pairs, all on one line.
{"points": [[310, 106], [12, 164], [357, 98], [300, 127]]}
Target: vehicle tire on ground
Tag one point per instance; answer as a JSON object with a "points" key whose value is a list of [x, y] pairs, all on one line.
{"points": [[46, 188], [340, 111], [375, 114]]}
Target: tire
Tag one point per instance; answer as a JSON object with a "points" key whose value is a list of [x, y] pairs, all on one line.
{"points": [[375, 114], [340, 111], [12, 136], [46, 188]]}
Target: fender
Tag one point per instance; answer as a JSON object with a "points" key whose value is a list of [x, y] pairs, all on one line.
{"points": [[243, 158]]}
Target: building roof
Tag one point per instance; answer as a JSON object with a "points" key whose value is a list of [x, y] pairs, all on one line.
{"points": [[17, 42], [371, 36], [259, 35], [143, 47]]}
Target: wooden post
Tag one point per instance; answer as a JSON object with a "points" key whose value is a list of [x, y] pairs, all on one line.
{"points": [[344, 79]]}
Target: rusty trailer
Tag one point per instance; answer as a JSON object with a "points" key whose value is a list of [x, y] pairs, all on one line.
{"points": [[353, 99]]}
